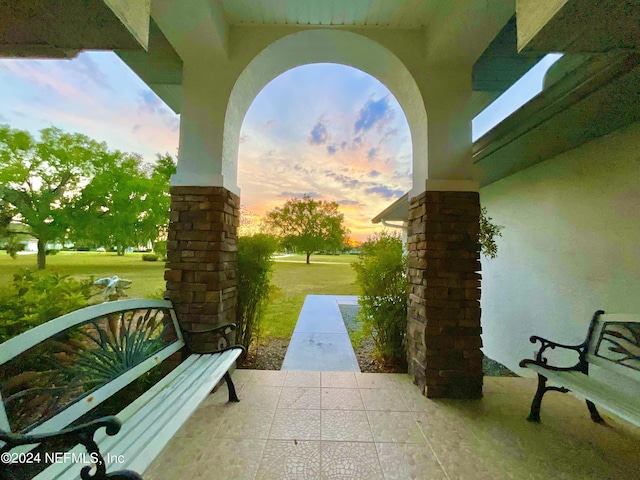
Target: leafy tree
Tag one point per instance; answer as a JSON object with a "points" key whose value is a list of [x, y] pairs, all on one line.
{"points": [[126, 203], [308, 225], [40, 179]]}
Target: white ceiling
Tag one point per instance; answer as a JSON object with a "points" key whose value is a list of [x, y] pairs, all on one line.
{"points": [[410, 14]]}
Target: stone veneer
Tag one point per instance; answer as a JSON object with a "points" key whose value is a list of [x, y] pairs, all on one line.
{"points": [[444, 299], [201, 265]]}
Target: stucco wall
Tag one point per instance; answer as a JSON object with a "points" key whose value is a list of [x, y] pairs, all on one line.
{"points": [[570, 246]]}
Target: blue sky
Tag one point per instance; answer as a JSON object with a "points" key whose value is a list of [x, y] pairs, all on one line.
{"points": [[326, 130]]}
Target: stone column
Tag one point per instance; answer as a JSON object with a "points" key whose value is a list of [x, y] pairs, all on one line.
{"points": [[201, 270], [444, 300]]}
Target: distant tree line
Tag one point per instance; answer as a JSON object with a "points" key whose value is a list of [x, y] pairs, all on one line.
{"points": [[67, 187]]}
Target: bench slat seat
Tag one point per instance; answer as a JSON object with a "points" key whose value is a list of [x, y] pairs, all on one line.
{"points": [[585, 387], [149, 423], [607, 372]]}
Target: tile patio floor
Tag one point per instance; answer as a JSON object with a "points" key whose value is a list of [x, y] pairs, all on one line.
{"points": [[307, 425]]}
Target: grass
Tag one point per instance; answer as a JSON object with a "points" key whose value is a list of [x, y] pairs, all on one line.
{"points": [[292, 279], [147, 277]]}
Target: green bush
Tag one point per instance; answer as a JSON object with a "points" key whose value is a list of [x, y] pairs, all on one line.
{"points": [[13, 246], [488, 232], [51, 251], [160, 249], [382, 280], [254, 282], [150, 257], [30, 300]]}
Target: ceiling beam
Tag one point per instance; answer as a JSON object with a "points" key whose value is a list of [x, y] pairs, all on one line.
{"points": [[578, 26], [41, 28]]}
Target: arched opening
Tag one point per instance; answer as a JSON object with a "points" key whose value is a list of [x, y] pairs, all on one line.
{"points": [[336, 134], [326, 46]]}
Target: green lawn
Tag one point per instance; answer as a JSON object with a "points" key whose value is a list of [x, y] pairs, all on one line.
{"points": [[292, 279], [147, 277]]}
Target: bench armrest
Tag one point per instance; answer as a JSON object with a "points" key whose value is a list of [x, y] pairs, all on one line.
{"points": [[545, 344], [222, 333], [69, 437]]}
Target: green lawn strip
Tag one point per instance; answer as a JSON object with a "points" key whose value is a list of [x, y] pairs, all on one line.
{"points": [[147, 277], [296, 258], [293, 282]]}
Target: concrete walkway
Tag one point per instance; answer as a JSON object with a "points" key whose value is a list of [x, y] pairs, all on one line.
{"points": [[320, 341]]}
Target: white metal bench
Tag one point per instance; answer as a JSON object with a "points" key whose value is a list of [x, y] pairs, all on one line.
{"points": [[60, 371], [607, 372]]}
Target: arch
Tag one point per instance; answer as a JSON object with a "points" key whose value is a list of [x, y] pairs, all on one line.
{"points": [[325, 46]]}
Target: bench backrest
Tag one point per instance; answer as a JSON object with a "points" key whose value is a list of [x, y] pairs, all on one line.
{"points": [[614, 346], [53, 374]]}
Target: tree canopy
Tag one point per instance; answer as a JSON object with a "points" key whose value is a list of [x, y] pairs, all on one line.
{"points": [[126, 203], [308, 225], [40, 179], [66, 186]]}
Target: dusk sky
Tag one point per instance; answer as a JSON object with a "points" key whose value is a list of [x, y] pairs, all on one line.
{"points": [[326, 130]]}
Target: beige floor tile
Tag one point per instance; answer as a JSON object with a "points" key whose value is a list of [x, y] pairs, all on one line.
{"points": [[204, 423], [246, 422], [375, 380], [416, 402], [178, 459], [459, 461], [397, 427], [345, 425], [290, 460], [341, 399], [302, 379], [349, 461], [408, 462], [230, 459], [338, 380], [271, 378], [258, 396], [438, 427], [241, 376], [300, 398], [383, 399], [295, 425]]}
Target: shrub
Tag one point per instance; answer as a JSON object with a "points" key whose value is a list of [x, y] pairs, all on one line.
{"points": [[30, 300], [381, 278], [488, 232], [254, 281], [150, 257], [13, 246], [160, 249], [51, 251]]}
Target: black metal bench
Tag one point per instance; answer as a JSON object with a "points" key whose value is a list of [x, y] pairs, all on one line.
{"points": [[607, 372], [57, 373]]}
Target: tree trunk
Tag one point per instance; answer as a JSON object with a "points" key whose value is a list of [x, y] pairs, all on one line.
{"points": [[120, 250], [308, 255], [42, 254]]}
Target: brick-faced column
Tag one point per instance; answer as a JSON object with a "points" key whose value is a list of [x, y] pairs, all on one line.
{"points": [[201, 270], [444, 300]]}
